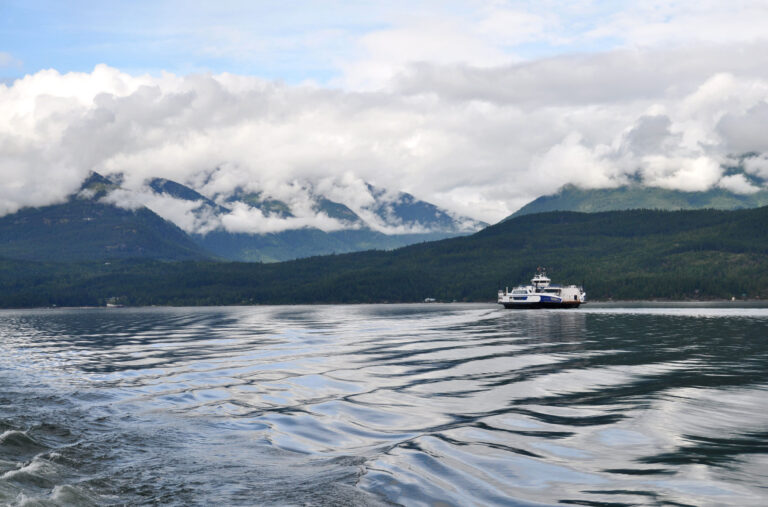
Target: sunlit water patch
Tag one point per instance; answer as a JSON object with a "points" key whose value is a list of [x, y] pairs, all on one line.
{"points": [[375, 405]]}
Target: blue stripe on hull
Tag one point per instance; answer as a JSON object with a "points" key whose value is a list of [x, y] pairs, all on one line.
{"points": [[541, 304]]}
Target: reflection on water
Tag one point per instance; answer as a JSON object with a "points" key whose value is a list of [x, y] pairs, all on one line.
{"points": [[368, 405]]}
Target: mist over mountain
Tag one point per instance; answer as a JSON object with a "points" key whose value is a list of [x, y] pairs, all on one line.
{"points": [[572, 198], [167, 220], [256, 226], [327, 205], [87, 227], [740, 187]]}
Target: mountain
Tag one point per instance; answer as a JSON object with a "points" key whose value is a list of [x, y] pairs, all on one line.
{"points": [[90, 227], [394, 211], [572, 198], [183, 192], [636, 254], [405, 209], [338, 211], [87, 228], [256, 200], [740, 187]]}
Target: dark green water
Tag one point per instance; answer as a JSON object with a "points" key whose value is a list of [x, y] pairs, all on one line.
{"points": [[370, 405]]}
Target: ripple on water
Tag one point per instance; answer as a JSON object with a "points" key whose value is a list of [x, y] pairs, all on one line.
{"points": [[361, 405]]}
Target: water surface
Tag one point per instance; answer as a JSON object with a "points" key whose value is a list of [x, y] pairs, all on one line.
{"points": [[379, 404]]}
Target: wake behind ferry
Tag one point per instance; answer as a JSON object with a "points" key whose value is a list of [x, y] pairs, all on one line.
{"points": [[542, 294]]}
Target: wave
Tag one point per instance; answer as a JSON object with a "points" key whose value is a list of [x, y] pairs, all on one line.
{"points": [[413, 404]]}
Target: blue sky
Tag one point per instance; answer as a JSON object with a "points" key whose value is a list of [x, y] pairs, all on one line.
{"points": [[291, 41]]}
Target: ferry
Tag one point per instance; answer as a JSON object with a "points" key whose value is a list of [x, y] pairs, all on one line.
{"points": [[542, 294]]}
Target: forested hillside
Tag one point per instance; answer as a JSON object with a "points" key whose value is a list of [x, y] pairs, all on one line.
{"points": [[621, 255], [85, 229]]}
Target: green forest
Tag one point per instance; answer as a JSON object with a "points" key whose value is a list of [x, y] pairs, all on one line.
{"points": [[638, 254]]}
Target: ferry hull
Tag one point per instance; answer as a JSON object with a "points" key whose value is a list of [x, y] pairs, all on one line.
{"points": [[539, 304]]}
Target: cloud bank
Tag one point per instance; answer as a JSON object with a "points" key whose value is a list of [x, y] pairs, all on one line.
{"points": [[480, 141]]}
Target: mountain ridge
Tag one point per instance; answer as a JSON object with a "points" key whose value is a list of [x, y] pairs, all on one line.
{"points": [[85, 227], [355, 234], [103, 221], [573, 198]]}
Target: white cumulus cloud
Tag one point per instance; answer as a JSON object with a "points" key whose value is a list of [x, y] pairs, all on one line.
{"points": [[480, 141]]}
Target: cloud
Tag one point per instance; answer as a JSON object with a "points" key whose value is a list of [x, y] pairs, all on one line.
{"points": [[692, 174], [191, 216], [682, 22], [478, 141], [738, 184], [435, 39], [249, 220], [584, 166], [201, 217], [757, 165], [651, 134], [609, 77], [360, 45], [744, 132]]}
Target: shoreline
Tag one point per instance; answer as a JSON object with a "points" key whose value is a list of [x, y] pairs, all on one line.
{"points": [[599, 303]]}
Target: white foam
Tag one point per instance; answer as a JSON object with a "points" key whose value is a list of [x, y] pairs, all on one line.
{"points": [[67, 494], [8, 433], [32, 467]]}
